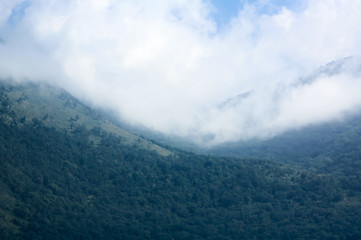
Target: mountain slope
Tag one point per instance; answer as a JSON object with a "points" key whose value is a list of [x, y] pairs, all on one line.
{"points": [[57, 184], [57, 108], [333, 147], [60, 186]]}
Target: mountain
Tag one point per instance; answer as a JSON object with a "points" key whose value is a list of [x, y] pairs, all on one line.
{"points": [[350, 65], [69, 173], [331, 147], [54, 107], [261, 113]]}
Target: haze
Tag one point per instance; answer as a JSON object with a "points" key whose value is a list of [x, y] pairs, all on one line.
{"points": [[193, 69]]}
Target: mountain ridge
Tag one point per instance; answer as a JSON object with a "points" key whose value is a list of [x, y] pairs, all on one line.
{"points": [[57, 108]]}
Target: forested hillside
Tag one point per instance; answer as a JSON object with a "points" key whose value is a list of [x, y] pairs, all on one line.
{"points": [[25, 102], [333, 147], [88, 183]]}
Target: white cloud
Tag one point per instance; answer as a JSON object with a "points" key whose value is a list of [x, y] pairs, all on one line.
{"points": [[165, 65]]}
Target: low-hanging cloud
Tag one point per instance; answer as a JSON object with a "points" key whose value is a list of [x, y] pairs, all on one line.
{"points": [[166, 65]]}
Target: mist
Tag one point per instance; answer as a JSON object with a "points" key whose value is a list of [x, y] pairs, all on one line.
{"points": [[171, 67]]}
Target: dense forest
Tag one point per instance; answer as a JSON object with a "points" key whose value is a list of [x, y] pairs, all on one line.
{"points": [[84, 182], [332, 147]]}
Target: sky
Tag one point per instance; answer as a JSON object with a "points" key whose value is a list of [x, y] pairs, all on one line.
{"points": [[210, 71]]}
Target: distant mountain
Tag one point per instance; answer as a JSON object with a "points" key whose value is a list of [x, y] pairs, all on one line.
{"points": [[349, 65], [235, 100], [66, 172], [334, 146], [328, 148]]}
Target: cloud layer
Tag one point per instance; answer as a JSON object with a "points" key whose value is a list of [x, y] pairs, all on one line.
{"points": [[166, 65]]}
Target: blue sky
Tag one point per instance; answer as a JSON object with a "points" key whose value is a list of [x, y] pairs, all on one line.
{"points": [[225, 10], [228, 9], [18, 12]]}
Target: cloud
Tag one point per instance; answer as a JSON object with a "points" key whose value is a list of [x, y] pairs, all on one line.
{"points": [[7, 8], [166, 65]]}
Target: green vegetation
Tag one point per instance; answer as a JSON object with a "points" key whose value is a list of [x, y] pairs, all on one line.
{"points": [[333, 147], [89, 183], [57, 108]]}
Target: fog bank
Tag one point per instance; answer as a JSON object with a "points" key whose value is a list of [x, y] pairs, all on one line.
{"points": [[171, 67]]}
